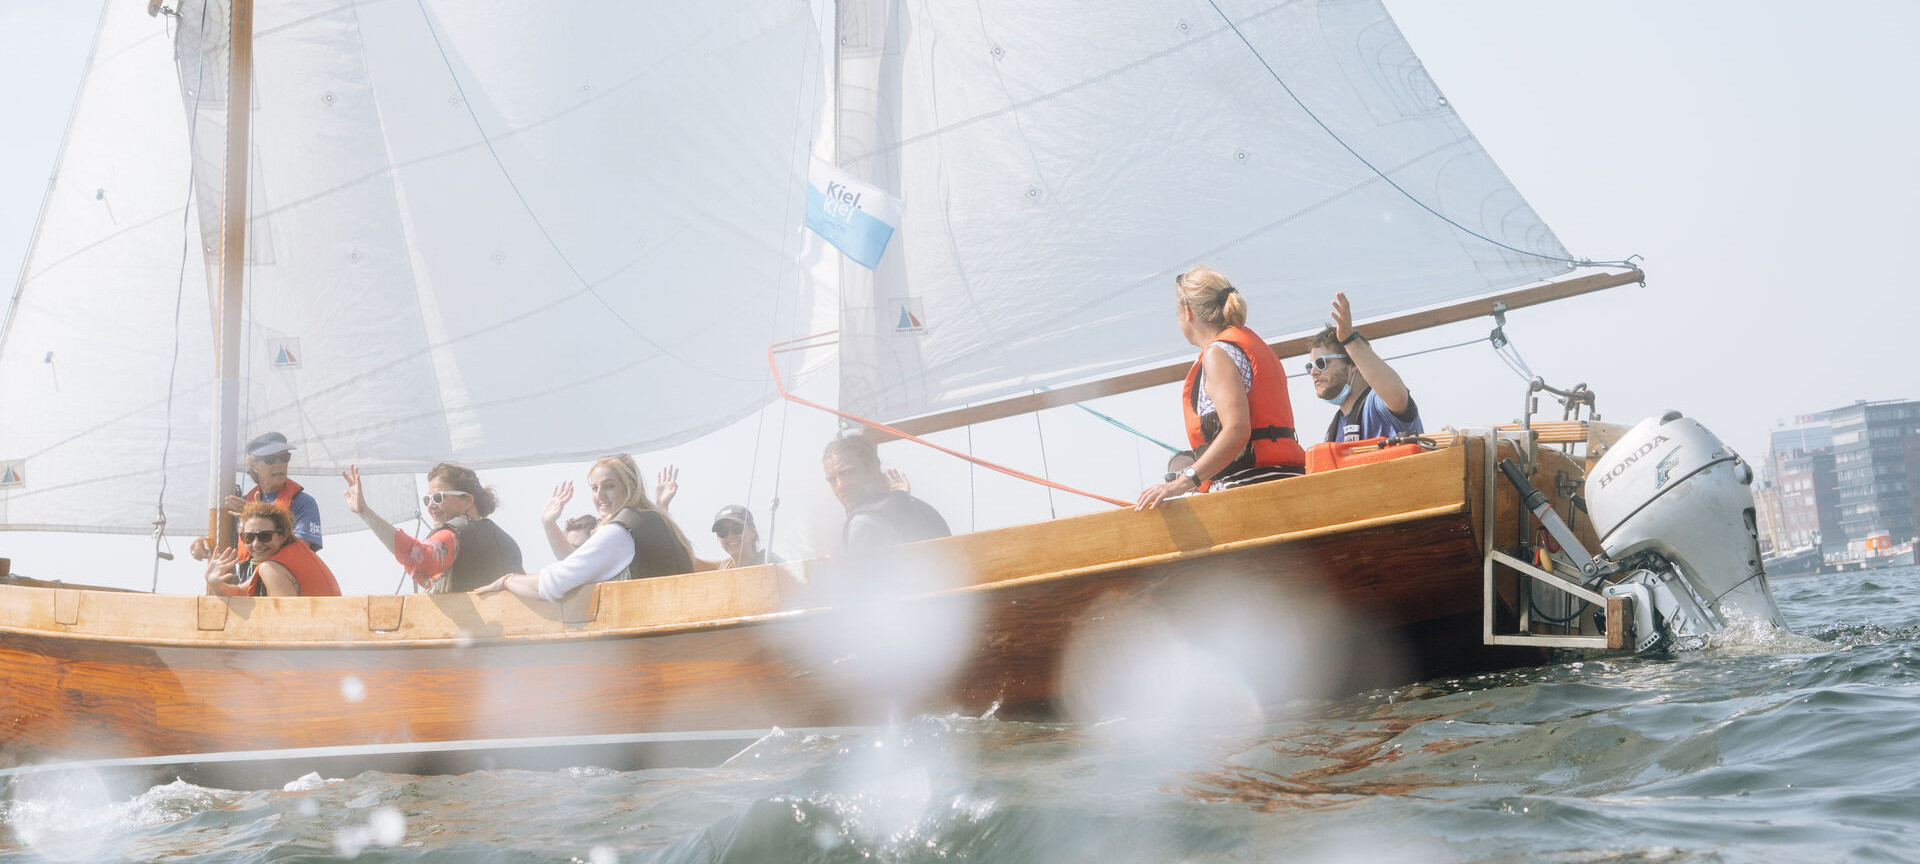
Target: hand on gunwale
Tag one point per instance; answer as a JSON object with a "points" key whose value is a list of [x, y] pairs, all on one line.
{"points": [[496, 586], [1153, 495]]}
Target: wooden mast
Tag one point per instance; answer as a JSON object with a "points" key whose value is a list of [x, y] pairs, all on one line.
{"points": [[1462, 311], [233, 249]]}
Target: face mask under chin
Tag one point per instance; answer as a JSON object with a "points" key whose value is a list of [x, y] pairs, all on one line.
{"points": [[1340, 397]]}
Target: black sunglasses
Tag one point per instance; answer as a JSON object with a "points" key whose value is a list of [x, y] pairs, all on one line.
{"points": [[728, 530], [259, 536]]}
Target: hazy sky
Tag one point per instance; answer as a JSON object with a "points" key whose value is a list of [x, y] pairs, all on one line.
{"points": [[1759, 155]]}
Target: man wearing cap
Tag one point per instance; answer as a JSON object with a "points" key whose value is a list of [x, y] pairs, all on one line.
{"points": [[734, 526], [267, 458]]}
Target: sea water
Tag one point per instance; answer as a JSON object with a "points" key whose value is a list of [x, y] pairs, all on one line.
{"points": [[1757, 749]]}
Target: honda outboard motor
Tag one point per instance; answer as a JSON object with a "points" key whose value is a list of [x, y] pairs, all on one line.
{"points": [[1673, 507]]}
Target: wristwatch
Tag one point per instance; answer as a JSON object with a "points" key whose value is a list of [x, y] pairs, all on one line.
{"points": [[1191, 474], [1350, 337]]}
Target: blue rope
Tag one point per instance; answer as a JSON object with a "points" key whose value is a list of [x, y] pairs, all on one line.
{"points": [[1162, 444], [1581, 262]]}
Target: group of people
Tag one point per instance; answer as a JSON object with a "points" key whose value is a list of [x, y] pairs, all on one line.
{"points": [[630, 537], [1238, 417]]}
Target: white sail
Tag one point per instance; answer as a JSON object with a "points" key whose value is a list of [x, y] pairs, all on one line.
{"points": [[492, 234], [88, 350], [1062, 162]]}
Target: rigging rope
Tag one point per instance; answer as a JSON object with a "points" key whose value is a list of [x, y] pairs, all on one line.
{"points": [[179, 292], [1578, 262], [1155, 441], [1040, 434], [898, 433]]}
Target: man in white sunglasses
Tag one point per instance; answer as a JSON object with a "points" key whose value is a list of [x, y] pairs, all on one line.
{"points": [[1369, 399]]}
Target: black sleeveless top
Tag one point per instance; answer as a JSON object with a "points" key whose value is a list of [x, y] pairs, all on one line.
{"points": [[656, 552], [486, 554]]}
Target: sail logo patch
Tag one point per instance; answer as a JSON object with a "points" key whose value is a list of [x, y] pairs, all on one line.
{"points": [[910, 315], [13, 472], [857, 218], [284, 353]]}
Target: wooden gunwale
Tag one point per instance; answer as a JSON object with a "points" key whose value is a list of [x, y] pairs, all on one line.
{"points": [[1390, 550], [1426, 486]]}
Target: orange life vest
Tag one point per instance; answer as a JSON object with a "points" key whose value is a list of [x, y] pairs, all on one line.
{"points": [[1269, 409], [283, 498], [310, 574]]}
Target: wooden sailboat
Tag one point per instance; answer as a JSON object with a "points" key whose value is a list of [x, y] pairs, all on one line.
{"points": [[128, 678], [1433, 552]]}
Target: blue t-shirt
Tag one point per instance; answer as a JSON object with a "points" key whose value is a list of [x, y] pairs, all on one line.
{"points": [[1371, 419], [306, 516]]}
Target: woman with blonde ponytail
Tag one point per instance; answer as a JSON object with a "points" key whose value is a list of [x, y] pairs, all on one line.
{"points": [[633, 541], [1238, 416]]}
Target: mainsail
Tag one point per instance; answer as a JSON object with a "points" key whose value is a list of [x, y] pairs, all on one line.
{"points": [[491, 234], [506, 235], [1061, 162]]}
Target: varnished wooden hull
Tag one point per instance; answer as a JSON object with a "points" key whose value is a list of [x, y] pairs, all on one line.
{"points": [[1393, 548]]}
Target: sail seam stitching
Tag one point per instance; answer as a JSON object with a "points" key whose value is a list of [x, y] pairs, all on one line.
{"points": [[1047, 97]]}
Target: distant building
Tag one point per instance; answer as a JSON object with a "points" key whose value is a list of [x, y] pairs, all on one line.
{"points": [[1834, 478], [1807, 511], [1876, 462], [1796, 497]]}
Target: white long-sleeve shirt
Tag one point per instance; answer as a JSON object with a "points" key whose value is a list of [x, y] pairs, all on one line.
{"points": [[602, 557]]}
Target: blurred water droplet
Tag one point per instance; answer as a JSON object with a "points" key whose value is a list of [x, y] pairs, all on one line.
{"points": [[352, 689], [602, 855], [388, 826], [348, 841]]}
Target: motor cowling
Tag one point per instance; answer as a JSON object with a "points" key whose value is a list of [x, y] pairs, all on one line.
{"points": [[1674, 504]]}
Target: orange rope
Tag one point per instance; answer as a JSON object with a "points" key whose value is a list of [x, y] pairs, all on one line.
{"points": [[870, 424]]}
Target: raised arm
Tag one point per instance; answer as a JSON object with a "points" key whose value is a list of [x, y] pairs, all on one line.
{"points": [[666, 487], [1385, 382], [357, 502], [220, 567], [550, 520]]}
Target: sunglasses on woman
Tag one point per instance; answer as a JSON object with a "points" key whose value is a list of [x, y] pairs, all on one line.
{"points": [[258, 536], [275, 459], [439, 497], [1320, 362]]}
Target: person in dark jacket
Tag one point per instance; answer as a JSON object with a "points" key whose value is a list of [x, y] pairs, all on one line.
{"points": [[464, 551], [877, 515]]}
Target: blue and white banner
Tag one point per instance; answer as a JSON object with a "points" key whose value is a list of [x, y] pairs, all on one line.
{"points": [[856, 218]]}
